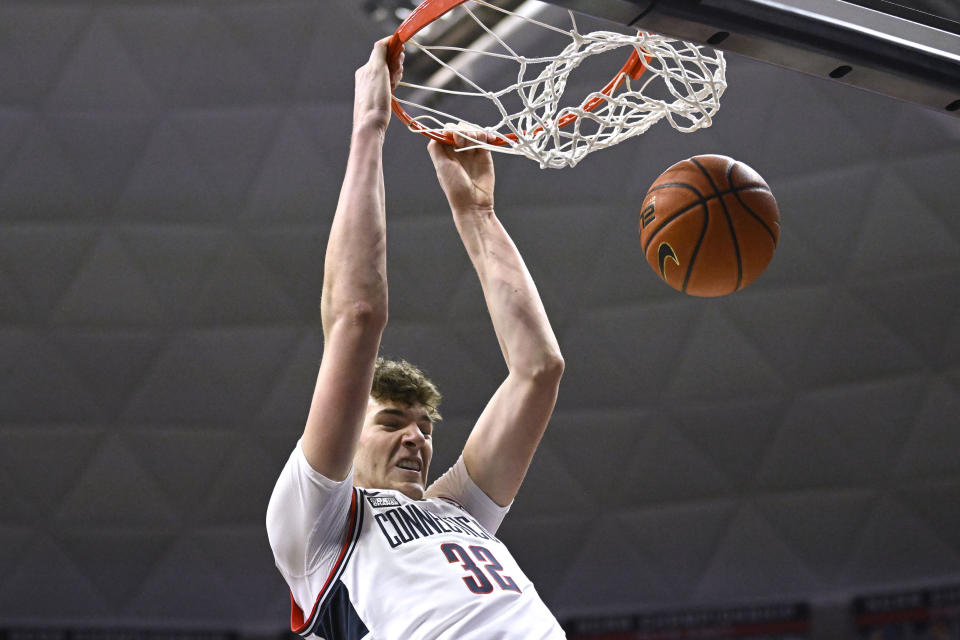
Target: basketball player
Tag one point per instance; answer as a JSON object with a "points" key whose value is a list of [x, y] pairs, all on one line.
{"points": [[367, 549]]}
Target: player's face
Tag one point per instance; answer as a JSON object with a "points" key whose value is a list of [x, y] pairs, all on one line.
{"points": [[395, 448]]}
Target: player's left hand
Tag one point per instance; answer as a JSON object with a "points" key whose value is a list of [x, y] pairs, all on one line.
{"points": [[466, 175]]}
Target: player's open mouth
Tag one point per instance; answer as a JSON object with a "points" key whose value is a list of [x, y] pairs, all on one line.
{"points": [[412, 465]]}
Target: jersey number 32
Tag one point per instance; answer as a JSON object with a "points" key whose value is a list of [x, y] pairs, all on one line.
{"points": [[478, 582]]}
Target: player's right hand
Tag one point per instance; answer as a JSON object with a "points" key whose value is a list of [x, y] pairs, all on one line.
{"points": [[373, 84]]}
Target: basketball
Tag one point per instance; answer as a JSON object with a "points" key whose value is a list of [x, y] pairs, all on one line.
{"points": [[709, 225]]}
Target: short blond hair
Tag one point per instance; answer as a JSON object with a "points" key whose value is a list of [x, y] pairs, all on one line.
{"points": [[400, 381]]}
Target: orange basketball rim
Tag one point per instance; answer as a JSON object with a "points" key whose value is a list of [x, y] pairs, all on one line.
{"points": [[429, 11]]}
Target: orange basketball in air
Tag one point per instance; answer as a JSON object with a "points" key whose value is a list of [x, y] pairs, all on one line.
{"points": [[709, 225]]}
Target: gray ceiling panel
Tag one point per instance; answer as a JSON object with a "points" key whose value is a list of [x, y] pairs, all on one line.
{"points": [[39, 39], [822, 526], [751, 558], [44, 570]]}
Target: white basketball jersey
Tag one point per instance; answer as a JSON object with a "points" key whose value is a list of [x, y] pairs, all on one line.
{"points": [[408, 569]]}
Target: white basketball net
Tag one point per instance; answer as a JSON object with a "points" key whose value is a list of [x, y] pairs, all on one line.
{"points": [[683, 83]]}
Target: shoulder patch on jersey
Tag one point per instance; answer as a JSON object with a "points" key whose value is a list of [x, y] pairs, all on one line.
{"points": [[380, 502]]}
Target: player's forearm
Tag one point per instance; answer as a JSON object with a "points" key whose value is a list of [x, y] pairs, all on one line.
{"points": [[355, 278], [526, 338]]}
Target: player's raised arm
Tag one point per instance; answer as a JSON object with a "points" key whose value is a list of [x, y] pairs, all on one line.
{"points": [[501, 446], [354, 300]]}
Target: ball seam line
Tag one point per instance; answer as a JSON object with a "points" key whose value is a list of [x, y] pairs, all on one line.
{"points": [[726, 214], [758, 218]]}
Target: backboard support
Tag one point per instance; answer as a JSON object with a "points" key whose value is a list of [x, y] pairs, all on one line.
{"points": [[880, 46]]}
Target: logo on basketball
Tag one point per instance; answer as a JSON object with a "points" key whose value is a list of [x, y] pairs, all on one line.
{"points": [[665, 252]]}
